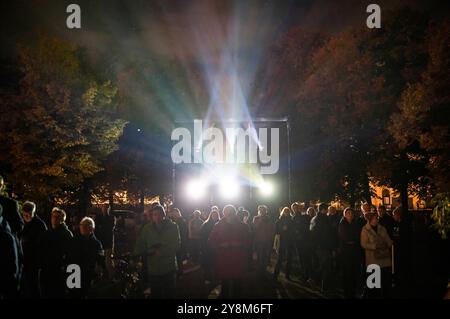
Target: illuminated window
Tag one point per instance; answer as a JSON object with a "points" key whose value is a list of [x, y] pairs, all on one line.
{"points": [[386, 197]]}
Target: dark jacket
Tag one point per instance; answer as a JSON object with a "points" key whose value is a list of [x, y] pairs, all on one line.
{"points": [[104, 230], [285, 228], [11, 214], [54, 247], [388, 222], [9, 261], [301, 226], [402, 238], [206, 230], [321, 232], [87, 252], [230, 242], [263, 229], [349, 237], [183, 229], [334, 221], [30, 237]]}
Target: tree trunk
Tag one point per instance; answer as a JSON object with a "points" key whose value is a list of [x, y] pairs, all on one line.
{"points": [[366, 190], [404, 197], [84, 198], [111, 198], [404, 184], [142, 201]]}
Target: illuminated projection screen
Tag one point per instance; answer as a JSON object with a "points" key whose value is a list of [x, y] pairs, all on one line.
{"points": [[201, 184]]}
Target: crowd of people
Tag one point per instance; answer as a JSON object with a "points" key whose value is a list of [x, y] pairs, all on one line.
{"points": [[331, 250], [34, 256]]}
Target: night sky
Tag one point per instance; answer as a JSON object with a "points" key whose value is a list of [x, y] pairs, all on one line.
{"points": [[173, 27], [222, 43]]}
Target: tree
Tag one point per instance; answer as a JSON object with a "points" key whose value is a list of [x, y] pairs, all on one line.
{"points": [[424, 110], [288, 65], [400, 56], [423, 121], [61, 125], [355, 82], [338, 97]]}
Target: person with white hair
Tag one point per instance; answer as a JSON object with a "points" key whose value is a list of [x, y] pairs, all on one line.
{"points": [[87, 252], [377, 246]]}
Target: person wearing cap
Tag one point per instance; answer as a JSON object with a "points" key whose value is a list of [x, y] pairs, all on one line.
{"points": [[53, 251], [87, 252], [158, 243], [377, 246], [30, 236]]}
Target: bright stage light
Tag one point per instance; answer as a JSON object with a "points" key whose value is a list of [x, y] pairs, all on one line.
{"points": [[229, 188], [266, 189], [196, 189]]}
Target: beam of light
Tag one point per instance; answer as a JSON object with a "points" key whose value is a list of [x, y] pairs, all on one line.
{"points": [[229, 188], [196, 189], [266, 189]]}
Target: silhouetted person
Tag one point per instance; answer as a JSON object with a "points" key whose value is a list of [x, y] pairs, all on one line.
{"points": [[402, 237], [263, 235], [105, 224], [334, 220], [11, 216], [349, 240], [9, 261], [207, 251], [11, 212], [285, 228], [53, 251], [194, 235], [321, 234], [177, 218], [30, 237], [230, 240], [385, 220]]}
